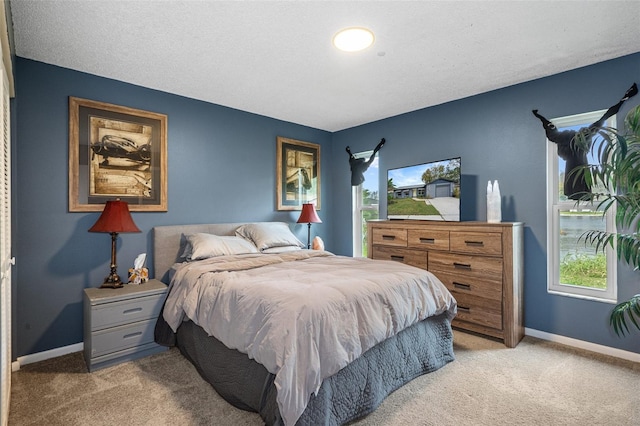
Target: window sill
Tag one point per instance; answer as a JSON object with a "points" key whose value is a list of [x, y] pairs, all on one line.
{"points": [[582, 296]]}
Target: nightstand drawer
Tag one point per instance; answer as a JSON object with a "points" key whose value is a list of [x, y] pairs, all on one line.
{"points": [[122, 337], [125, 312], [486, 243]]}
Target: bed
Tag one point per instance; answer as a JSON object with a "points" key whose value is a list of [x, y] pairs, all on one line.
{"points": [[267, 325]]}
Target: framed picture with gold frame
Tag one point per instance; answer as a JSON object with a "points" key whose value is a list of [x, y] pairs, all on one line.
{"points": [[116, 152], [297, 174]]}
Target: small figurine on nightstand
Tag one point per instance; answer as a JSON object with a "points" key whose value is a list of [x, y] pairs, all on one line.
{"points": [[139, 274], [318, 244]]}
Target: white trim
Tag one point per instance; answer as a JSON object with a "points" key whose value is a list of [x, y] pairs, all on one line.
{"points": [[610, 294], [356, 203], [42, 356], [568, 341], [6, 258], [581, 344], [585, 117], [6, 50], [582, 296], [356, 211]]}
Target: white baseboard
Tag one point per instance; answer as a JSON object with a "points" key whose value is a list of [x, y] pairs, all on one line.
{"points": [[41, 356], [581, 344]]}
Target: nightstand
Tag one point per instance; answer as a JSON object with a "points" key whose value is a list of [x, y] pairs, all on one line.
{"points": [[119, 323]]}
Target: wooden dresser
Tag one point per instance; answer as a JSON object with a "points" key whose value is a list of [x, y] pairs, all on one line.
{"points": [[480, 263]]}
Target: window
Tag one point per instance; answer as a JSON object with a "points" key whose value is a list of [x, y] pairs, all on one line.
{"points": [[575, 268], [365, 202]]}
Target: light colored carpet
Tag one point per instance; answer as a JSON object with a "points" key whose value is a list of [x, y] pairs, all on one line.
{"points": [[537, 383]]}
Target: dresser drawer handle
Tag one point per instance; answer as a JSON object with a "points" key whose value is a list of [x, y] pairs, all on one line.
{"points": [[397, 258], [427, 240], [474, 243], [461, 266], [462, 286], [464, 309], [133, 310], [389, 237], [128, 336]]}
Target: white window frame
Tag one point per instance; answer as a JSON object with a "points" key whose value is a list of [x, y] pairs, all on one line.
{"points": [[358, 208], [554, 286]]}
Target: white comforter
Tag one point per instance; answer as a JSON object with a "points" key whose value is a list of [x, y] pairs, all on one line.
{"points": [[304, 315]]}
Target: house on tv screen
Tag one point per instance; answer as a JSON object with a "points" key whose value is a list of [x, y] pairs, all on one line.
{"points": [[435, 189]]}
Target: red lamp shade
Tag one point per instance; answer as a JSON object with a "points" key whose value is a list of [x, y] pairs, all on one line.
{"points": [[115, 218], [308, 214]]}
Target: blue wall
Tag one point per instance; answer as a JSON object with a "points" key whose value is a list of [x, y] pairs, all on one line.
{"points": [[222, 168], [497, 137]]}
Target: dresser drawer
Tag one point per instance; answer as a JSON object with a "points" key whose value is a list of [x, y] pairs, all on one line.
{"points": [[428, 239], [403, 255], [473, 286], [486, 243], [470, 266], [390, 237], [122, 337], [480, 311], [126, 311]]}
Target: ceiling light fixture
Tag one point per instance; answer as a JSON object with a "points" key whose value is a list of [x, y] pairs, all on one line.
{"points": [[353, 39]]}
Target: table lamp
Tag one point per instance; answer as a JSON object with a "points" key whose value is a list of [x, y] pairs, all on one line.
{"points": [[308, 215], [115, 218]]}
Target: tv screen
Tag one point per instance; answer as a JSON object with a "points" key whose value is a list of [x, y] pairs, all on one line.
{"points": [[428, 191]]}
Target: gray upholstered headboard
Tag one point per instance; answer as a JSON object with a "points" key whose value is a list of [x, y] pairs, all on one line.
{"points": [[167, 240]]}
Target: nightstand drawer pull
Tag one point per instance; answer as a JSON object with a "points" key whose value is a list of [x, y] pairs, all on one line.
{"points": [[464, 309], [474, 243], [397, 258], [128, 336], [462, 266], [131, 311], [427, 240], [389, 237], [462, 286]]}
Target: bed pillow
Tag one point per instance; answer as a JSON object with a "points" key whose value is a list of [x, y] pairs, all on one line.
{"points": [[203, 246], [268, 235], [282, 249]]}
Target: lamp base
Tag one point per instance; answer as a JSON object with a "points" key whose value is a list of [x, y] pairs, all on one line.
{"points": [[112, 281]]}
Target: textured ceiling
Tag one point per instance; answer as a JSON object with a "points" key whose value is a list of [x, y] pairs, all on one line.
{"points": [[276, 58]]}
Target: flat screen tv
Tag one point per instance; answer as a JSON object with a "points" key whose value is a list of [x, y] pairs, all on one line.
{"points": [[428, 191]]}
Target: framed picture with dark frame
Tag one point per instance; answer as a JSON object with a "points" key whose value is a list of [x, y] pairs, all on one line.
{"points": [[116, 152], [297, 174]]}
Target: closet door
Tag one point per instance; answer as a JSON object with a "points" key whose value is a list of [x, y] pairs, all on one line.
{"points": [[6, 260]]}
